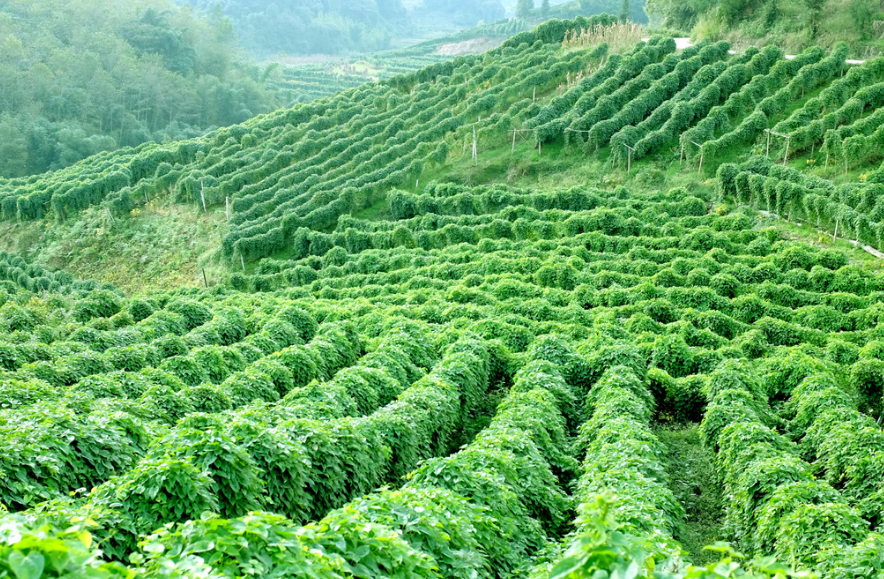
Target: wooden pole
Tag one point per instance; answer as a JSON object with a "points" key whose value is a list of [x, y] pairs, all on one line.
{"points": [[513, 152], [837, 221], [699, 146], [203, 196], [629, 151], [205, 279], [768, 143], [242, 261], [111, 215], [534, 96], [786, 156]]}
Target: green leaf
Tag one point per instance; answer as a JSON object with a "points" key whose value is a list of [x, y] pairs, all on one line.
{"points": [[30, 567]]}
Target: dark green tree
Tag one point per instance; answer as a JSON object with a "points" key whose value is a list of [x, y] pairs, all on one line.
{"points": [[524, 8], [814, 9], [624, 11]]}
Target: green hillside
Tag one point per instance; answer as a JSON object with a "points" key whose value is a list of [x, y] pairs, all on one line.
{"points": [[576, 307]]}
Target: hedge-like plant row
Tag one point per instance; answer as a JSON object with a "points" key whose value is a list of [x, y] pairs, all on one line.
{"points": [[35, 278], [285, 457], [84, 394], [633, 109], [276, 219], [775, 503], [711, 85], [851, 209], [551, 120], [481, 512], [811, 70], [622, 460], [111, 418], [840, 103]]}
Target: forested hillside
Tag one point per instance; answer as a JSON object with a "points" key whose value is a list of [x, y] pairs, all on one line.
{"points": [[791, 24], [574, 308], [79, 78], [307, 27]]}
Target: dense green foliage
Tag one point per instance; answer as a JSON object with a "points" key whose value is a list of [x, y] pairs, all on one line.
{"points": [[792, 24], [460, 380]]}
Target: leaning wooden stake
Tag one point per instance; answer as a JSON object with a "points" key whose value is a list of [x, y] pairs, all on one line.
{"points": [[699, 146], [629, 151], [242, 261], [203, 195], [205, 279]]}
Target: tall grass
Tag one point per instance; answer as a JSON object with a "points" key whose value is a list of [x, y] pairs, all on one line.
{"points": [[618, 36]]}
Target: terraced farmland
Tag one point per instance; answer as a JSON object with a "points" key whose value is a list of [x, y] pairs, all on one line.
{"points": [[441, 349]]}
